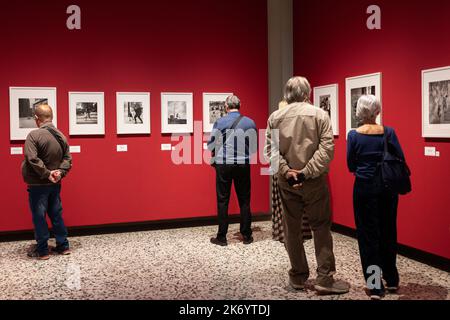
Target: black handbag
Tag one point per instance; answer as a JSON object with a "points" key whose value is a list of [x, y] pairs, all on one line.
{"points": [[394, 171]]}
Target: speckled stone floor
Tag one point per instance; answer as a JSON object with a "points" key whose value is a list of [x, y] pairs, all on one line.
{"points": [[182, 264]]}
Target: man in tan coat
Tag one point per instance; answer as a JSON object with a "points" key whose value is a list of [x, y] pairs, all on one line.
{"points": [[304, 147]]}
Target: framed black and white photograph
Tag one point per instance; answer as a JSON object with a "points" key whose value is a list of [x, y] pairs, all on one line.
{"points": [[23, 103], [326, 98], [436, 103], [213, 109], [177, 113], [86, 113], [133, 112], [355, 87]]}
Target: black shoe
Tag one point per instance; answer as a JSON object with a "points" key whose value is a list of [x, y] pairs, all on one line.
{"points": [[33, 253], [217, 241], [64, 251], [376, 294], [248, 240]]}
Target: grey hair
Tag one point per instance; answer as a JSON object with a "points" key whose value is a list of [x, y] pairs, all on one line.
{"points": [[367, 108], [233, 102], [297, 89]]}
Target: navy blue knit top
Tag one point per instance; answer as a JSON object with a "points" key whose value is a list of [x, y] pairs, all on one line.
{"points": [[364, 152]]}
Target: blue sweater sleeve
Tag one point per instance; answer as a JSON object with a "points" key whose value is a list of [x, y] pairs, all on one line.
{"points": [[351, 153]]}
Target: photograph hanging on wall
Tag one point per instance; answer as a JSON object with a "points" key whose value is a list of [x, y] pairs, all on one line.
{"points": [[326, 98], [86, 113], [436, 103], [133, 112], [23, 103], [177, 113], [355, 87], [213, 109]]}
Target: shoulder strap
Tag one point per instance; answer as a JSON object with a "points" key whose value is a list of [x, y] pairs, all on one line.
{"points": [[236, 122], [385, 136], [61, 142]]}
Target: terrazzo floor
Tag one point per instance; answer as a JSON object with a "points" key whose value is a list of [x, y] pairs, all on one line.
{"points": [[182, 264]]}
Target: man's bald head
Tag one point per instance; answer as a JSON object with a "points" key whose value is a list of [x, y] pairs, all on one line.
{"points": [[44, 113]]}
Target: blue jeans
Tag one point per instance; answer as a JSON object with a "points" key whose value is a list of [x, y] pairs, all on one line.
{"points": [[46, 199]]}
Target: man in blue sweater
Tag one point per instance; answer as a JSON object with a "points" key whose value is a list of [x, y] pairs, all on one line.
{"points": [[233, 141]]}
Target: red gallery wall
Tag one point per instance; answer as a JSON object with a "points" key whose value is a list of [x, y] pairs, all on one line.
{"points": [[131, 46], [332, 43]]}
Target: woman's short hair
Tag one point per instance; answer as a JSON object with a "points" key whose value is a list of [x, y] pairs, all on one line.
{"points": [[297, 89], [367, 108], [233, 102]]}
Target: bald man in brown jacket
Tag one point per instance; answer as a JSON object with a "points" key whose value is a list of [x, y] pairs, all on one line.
{"points": [[47, 161], [304, 149]]}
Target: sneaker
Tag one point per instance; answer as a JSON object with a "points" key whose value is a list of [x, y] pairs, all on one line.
{"points": [[37, 255], [296, 286], [248, 240], [61, 251], [337, 287], [376, 295], [392, 289], [217, 241]]}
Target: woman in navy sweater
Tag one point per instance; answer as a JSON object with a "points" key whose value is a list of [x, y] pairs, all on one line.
{"points": [[375, 207]]}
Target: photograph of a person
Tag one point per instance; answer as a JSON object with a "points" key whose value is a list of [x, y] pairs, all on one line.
{"points": [[177, 111], [439, 102], [213, 109], [355, 88], [87, 113], [23, 102], [326, 98], [26, 111], [325, 103], [133, 113], [356, 94], [436, 103], [216, 111]]}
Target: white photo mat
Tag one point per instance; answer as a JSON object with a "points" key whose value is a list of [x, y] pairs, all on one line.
{"points": [[207, 99], [436, 103], [84, 123], [364, 81], [180, 117], [133, 125], [20, 127], [331, 92]]}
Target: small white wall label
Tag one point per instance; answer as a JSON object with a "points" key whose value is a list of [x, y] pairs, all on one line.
{"points": [[16, 151], [430, 151], [75, 149], [122, 148]]}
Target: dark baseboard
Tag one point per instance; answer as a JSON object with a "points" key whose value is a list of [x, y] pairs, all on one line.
{"points": [[411, 253], [133, 227]]}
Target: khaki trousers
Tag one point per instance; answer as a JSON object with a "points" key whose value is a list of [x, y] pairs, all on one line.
{"points": [[313, 199]]}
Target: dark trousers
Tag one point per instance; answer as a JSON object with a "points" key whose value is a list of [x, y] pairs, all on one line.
{"points": [[225, 175], [376, 223], [46, 200]]}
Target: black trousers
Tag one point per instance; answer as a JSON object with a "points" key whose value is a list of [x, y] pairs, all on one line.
{"points": [[376, 223], [225, 175]]}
